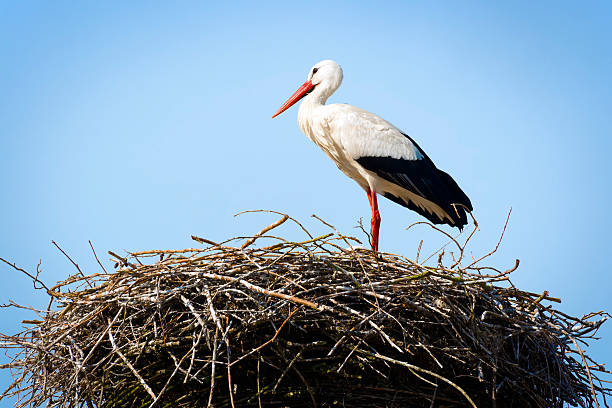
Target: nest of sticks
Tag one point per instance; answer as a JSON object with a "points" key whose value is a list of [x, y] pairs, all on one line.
{"points": [[312, 323]]}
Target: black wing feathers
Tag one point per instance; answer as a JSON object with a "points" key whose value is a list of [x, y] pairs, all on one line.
{"points": [[422, 178], [412, 206], [459, 196]]}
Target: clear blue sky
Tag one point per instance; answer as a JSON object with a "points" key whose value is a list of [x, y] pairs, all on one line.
{"points": [[135, 126]]}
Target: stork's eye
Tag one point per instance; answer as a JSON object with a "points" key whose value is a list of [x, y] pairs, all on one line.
{"points": [[314, 70]]}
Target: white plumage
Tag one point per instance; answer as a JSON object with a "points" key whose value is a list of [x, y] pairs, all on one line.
{"points": [[374, 153]]}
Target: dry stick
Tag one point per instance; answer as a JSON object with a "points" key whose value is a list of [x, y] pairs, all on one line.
{"points": [[265, 291], [34, 278], [211, 307], [168, 251], [349, 355], [345, 335], [258, 381], [123, 260], [370, 322], [269, 341], [342, 236], [433, 397], [187, 302], [224, 338], [70, 259], [74, 326], [499, 273], [279, 213], [586, 366], [461, 248], [543, 296], [264, 230], [279, 352], [537, 295], [229, 370], [194, 347], [176, 369], [282, 241], [440, 255], [95, 255], [110, 325], [416, 368], [454, 240], [433, 384], [496, 246], [205, 241], [301, 244], [462, 251], [418, 252], [130, 366], [289, 366], [212, 371], [203, 327]]}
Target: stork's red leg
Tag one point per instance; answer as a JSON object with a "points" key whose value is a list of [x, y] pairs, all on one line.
{"points": [[375, 219]]}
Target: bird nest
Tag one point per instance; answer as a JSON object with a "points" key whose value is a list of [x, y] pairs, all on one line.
{"points": [[312, 323]]}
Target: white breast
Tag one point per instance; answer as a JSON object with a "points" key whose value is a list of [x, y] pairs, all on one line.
{"points": [[318, 123]]}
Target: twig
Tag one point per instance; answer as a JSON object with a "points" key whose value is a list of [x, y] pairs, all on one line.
{"points": [[422, 370], [35, 279], [69, 258], [229, 371], [257, 349], [497, 245], [96, 256], [129, 365], [264, 230], [265, 291]]}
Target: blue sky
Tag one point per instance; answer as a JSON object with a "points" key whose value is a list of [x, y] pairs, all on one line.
{"points": [[135, 126]]}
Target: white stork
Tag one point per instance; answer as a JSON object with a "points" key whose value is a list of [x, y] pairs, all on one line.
{"points": [[376, 154]]}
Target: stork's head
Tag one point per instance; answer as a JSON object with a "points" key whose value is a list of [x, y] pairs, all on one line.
{"points": [[323, 80]]}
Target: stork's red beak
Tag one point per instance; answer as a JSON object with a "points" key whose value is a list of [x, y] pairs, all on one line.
{"points": [[299, 94]]}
